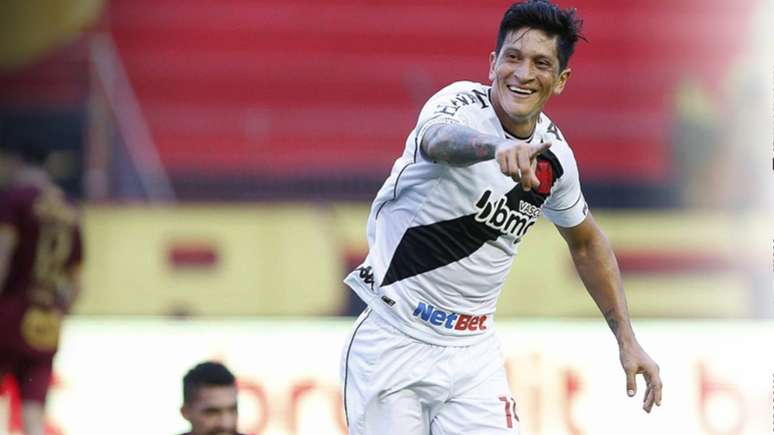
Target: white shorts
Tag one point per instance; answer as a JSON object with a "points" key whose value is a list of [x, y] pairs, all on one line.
{"points": [[394, 384]]}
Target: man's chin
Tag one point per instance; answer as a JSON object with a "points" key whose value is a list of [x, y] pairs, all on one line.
{"points": [[520, 112], [519, 116]]}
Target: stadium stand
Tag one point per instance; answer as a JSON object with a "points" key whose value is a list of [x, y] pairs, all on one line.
{"points": [[271, 91]]}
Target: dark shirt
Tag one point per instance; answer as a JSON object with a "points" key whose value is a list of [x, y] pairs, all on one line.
{"points": [[48, 243]]}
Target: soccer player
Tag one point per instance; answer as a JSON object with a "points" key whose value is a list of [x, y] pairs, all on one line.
{"points": [[210, 400], [482, 164], [40, 257]]}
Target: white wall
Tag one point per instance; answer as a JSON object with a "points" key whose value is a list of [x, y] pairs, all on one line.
{"points": [[124, 376]]}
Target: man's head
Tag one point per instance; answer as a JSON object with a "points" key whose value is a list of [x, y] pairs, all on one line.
{"points": [[542, 15], [534, 45], [15, 156], [210, 400], [30, 153]]}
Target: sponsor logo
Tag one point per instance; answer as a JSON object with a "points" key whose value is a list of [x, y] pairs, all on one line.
{"points": [[529, 209], [455, 321], [498, 215]]}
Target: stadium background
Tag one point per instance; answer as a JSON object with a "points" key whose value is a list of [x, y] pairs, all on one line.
{"points": [[226, 153]]}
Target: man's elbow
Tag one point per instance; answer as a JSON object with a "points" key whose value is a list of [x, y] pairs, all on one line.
{"points": [[432, 142]]}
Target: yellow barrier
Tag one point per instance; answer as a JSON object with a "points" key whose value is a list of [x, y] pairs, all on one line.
{"points": [[270, 260], [289, 259]]}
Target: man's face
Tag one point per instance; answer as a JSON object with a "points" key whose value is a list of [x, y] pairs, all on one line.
{"points": [[213, 411], [524, 75]]}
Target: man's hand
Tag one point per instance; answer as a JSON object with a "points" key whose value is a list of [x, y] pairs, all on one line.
{"points": [[635, 361], [517, 160]]}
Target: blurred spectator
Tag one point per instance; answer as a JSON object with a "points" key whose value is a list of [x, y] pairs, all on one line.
{"points": [[210, 400], [748, 126], [695, 143], [40, 256], [748, 137]]}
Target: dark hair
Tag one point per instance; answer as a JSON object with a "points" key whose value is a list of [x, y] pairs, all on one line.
{"points": [[206, 374], [548, 17], [31, 152]]}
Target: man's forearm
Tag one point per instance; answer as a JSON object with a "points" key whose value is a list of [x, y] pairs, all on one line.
{"points": [[598, 269], [458, 145]]}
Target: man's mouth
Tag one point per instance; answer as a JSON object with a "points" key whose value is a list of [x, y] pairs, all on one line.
{"points": [[524, 92]]}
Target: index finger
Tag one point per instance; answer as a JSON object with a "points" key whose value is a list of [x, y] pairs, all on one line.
{"points": [[653, 381], [647, 402], [528, 179], [657, 388]]}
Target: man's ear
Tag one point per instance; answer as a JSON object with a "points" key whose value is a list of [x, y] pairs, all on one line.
{"points": [[564, 76], [492, 61], [184, 412]]}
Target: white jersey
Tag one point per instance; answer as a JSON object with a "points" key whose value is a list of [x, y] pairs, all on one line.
{"points": [[442, 239]]}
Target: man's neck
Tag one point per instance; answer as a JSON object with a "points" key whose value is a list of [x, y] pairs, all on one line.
{"points": [[520, 130]]}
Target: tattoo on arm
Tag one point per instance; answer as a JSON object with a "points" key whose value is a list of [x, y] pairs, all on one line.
{"points": [[458, 145], [611, 322]]}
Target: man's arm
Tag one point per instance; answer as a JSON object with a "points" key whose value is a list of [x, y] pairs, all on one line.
{"points": [[598, 269], [69, 290], [457, 145]]}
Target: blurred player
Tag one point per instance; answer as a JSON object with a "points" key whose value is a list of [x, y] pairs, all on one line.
{"points": [[210, 400], [40, 257], [482, 164]]}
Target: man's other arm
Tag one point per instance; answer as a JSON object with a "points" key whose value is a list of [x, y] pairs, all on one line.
{"points": [[71, 289], [598, 269]]}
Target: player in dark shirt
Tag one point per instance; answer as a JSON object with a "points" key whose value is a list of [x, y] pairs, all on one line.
{"points": [[210, 400], [40, 257]]}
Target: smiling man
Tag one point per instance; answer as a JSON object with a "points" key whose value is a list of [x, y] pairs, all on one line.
{"points": [[482, 164]]}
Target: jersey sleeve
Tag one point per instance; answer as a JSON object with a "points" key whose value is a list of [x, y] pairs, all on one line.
{"points": [[449, 106], [566, 206]]}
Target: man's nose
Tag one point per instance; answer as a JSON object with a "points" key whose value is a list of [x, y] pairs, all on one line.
{"points": [[228, 422], [523, 71]]}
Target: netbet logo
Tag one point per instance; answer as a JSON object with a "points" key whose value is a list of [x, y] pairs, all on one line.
{"points": [[458, 322], [499, 216]]}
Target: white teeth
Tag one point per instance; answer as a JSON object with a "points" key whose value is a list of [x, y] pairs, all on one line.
{"points": [[520, 91]]}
